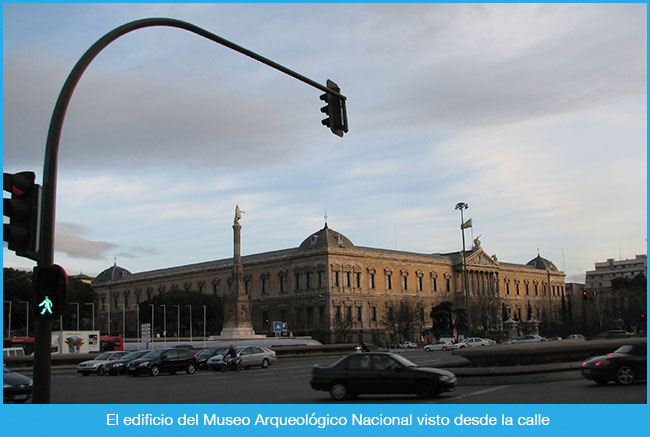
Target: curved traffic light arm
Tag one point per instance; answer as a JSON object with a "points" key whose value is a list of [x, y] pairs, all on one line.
{"points": [[46, 252]]}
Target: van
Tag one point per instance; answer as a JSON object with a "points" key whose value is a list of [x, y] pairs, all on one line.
{"points": [[13, 352]]}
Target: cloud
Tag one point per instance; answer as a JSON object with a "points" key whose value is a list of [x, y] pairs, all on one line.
{"points": [[76, 246]]}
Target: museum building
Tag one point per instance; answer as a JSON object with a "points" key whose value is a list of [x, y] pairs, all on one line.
{"points": [[335, 291]]}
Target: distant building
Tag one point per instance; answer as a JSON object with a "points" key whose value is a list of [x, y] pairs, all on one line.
{"points": [[601, 278], [83, 278], [336, 291]]}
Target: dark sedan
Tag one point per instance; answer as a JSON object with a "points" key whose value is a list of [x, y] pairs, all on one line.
{"points": [[625, 365], [15, 387], [118, 367], [163, 361], [380, 373]]}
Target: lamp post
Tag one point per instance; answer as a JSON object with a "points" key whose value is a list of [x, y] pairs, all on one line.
{"points": [[77, 304], [26, 317], [178, 322], [138, 331], [164, 323], [92, 305], [462, 206], [190, 307], [108, 312], [204, 326], [123, 320], [9, 320], [152, 324]]}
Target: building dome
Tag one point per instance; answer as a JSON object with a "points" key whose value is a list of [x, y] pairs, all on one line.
{"points": [[112, 273], [326, 238], [542, 264]]}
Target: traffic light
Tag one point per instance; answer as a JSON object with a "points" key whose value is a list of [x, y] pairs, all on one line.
{"points": [[337, 117], [585, 295], [23, 210], [50, 291]]}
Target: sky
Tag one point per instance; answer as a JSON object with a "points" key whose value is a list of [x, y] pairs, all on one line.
{"points": [[534, 115]]}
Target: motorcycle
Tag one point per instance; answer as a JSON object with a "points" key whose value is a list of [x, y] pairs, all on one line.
{"points": [[231, 363]]}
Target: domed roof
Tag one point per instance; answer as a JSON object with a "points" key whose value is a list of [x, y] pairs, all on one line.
{"points": [[112, 273], [326, 238], [542, 264]]}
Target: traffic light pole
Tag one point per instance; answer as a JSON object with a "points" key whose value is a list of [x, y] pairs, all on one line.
{"points": [[43, 329]]}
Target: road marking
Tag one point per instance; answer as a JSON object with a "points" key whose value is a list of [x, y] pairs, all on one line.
{"points": [[474, 393]]}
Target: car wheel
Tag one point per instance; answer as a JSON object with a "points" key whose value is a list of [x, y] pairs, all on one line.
{"points": [[423, 389], [339, 391], [154, 371], [101, 371], [265, 363], [625, 375], [190, 369], [444, 348]]}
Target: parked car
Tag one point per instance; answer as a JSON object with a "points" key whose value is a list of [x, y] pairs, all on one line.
{"points": [[408, 345], [625, 365], [204, 355], [250, 356], [527, 339], [472, 342], [440, 345], [15, 387], [97, 365], [118, 367], [379, 373], [575, 337], [170, 360]]}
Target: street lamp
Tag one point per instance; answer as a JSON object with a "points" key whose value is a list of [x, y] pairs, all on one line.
{"points": [[462, 206], [123, 320], [26, 317], [77, 304], [92, 308], [190, 307], [178, 322], [204, 326], [164, 323], [108, 311], [152, 324], [138, 331], [9, 320]]}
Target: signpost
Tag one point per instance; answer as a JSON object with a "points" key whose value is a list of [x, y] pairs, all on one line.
{"points": [[145, 332]]}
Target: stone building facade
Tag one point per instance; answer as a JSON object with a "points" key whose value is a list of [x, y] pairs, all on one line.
{"points": [[328, 279]]}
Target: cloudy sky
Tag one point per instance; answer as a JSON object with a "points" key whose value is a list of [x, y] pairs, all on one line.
{"points": [[535, 115]]}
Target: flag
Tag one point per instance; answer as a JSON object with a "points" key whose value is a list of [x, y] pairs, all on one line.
{"points": [[467, 224]]}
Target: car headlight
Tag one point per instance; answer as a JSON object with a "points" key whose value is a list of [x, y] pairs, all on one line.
{"points": [[5, 385], [445, 378], [117, 365], [145, 364]]}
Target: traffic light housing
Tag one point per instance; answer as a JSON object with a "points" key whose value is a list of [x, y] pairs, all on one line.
{"points": [[337, 117], [23, 211], [585, 295], [50, 291]]}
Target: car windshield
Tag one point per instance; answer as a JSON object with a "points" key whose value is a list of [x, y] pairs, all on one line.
{"points": [[403, 361], [205, 352], [153, 354], [103, 356], [625, 349]]}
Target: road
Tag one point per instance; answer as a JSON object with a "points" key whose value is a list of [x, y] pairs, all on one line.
{"points": [[287, 382]]}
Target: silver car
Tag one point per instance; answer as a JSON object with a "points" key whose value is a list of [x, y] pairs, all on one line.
{"points": [[97, 365], [250, 356]]}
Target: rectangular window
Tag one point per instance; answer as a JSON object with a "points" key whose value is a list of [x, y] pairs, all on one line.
{"points": [[338, 313], [527, 293], [517, 286], [359, 314], [405, 283], [265, 285], [373, 314], [435, 284], [247, 286], [347, 279], [348, 313], [536, 290], [358, 279], [420, 283], [448, 285], [296, 278], [308, 285], [372, 281], [336, 279], [508, 288], [320, 279], [283, 284], [389, 282]]}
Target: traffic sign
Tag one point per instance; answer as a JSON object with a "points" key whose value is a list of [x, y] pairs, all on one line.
{"points": [[278, 326]]}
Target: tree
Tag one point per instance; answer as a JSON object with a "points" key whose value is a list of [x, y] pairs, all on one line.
{"points": [[404, 318], [442, 318]]}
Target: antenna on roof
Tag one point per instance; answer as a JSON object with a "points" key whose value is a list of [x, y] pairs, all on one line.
{"points": [[325, 217]]}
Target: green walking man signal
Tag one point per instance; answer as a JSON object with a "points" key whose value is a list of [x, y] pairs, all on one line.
{"points": [[47, 305], [50, 290]]}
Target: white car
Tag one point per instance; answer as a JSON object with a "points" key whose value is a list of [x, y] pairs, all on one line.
{"points": [[97, 365], [408, 345], [440, 345], [527, 339], [472, 342], [250, 356]]}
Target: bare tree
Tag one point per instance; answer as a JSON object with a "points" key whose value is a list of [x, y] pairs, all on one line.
{"points": [[405, 317]]}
